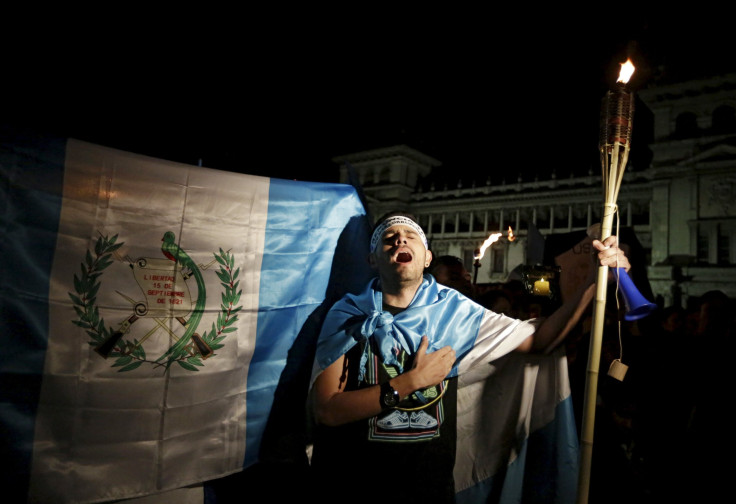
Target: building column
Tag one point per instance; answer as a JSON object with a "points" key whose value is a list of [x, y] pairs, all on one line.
{"points": [[713, 245], [569, 218], [551, 219]]}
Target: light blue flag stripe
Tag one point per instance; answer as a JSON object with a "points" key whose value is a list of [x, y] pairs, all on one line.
{"points": [[550, 461], [305, 223], [31, 172]]}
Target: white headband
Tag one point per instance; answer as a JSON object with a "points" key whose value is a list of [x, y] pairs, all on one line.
{"points": [[394, 221]]}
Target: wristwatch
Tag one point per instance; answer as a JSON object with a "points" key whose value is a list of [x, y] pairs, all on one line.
{"points": [[389, 397]]}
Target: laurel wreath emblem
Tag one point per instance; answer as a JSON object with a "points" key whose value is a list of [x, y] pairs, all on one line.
{"points": [[129, 353]]}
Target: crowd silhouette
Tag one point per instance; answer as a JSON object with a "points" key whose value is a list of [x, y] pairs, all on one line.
{"points": [[659, 431]]}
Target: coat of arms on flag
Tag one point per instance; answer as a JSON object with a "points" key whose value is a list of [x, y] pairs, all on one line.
{"points": [[163, 296]]}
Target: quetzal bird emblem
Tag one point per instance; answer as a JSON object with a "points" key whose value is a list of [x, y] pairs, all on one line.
{"points": [[172, 251]]}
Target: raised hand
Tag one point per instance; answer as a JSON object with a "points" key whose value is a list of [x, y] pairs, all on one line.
{"points": [[610, 255]]}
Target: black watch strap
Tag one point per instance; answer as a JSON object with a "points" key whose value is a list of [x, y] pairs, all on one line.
{"points": [[389, 396]]}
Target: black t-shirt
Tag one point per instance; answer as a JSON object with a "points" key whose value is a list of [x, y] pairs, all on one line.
{"points": [[406, 453]]}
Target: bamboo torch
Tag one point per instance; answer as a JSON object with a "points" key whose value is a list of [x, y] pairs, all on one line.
{"points": [[617, 112]]}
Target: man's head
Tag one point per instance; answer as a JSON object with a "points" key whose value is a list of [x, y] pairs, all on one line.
{"points": [[399, 250], [450, 271]]}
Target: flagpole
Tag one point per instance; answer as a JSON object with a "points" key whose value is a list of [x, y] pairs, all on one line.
{"points": [[615, 141]]}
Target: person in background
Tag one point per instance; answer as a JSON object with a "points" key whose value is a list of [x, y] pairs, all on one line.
{"points": [[449, 270]]}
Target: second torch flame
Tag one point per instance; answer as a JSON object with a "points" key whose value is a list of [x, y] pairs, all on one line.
{"points": [[491, 240]]}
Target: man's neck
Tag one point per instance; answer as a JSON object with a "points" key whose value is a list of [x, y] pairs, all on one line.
{"points": [[401, 295]]}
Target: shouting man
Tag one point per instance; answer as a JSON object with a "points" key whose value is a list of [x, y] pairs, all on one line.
{"points": [[386, 366]]}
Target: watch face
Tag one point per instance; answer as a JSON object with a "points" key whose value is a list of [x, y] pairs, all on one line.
{"points": [[389, 396]]}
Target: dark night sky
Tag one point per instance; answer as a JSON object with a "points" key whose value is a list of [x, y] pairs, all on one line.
{"points": [[281, 97]]}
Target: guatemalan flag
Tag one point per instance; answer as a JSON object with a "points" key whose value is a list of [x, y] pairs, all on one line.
{"points": [[158, 324], [148, 311]]}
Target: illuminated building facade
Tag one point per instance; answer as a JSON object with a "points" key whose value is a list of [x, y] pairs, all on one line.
{"points": [[681, 204]]}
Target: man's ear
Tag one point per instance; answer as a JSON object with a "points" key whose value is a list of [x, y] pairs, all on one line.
{"points": [[428, 259], [372, 261]]}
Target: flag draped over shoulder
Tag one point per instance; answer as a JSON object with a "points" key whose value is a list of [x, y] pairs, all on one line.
{"points": [[437, 310], [147, 309]]}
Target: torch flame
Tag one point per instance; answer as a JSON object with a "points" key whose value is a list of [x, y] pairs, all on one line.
{"points": [[627, 70], [491, 239], [511, 236]]}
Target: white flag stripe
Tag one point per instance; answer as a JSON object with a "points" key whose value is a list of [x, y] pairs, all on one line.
{"points": [[187, 426]]}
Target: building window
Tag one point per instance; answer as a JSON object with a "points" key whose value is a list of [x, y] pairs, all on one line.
{"points": [[436, 227], [464, 224], [724, 249], [561, 218], [450, 223], [498, 260], [724, 246], [724, 119], [477, 223], [543, 221], [686, 125], [714, 243], [580, 216], [703, 248], [640, 213], [494, 221]]}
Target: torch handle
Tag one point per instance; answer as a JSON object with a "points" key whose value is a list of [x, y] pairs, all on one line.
{"points": [[594, 360]]}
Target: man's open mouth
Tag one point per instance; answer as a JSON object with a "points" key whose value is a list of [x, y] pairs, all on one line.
{"points": [[403, 257]]}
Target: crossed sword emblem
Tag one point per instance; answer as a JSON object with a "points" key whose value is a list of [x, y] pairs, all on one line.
{"points": [[140, 309]]}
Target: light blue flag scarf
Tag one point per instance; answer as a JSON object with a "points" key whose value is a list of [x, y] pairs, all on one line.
{"points": [[444, 315]]}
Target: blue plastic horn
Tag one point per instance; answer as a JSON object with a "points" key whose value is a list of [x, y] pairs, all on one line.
{"points": [[637, 306]]}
